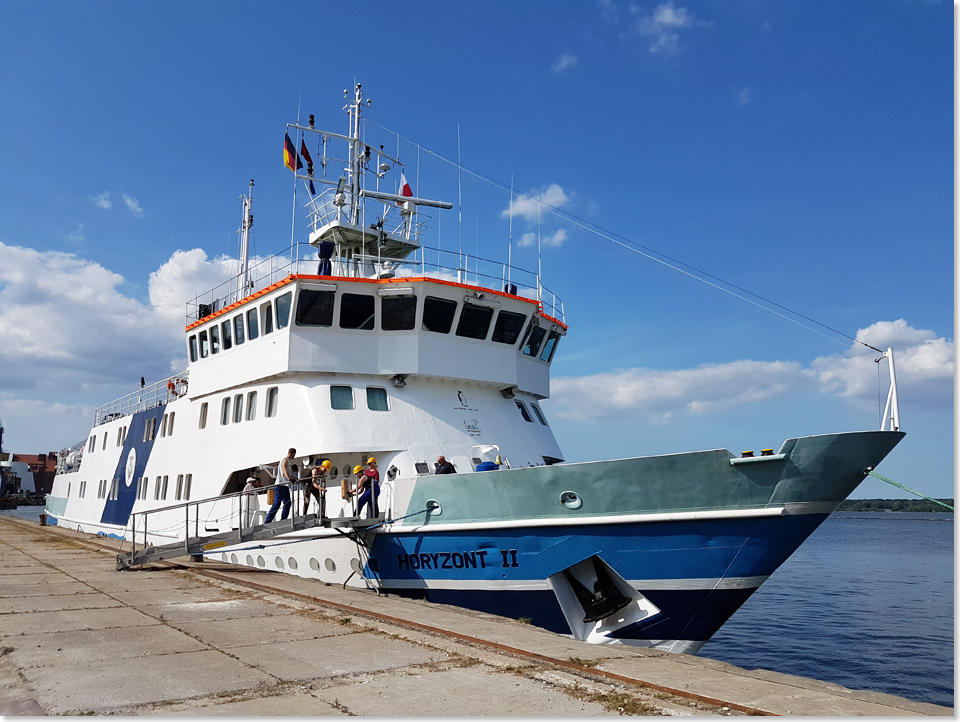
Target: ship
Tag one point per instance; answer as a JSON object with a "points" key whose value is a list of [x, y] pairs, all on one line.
{"points": [[366, 344]]}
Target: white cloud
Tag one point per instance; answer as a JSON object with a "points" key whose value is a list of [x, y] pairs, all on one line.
{"points": [[745, 96], [565, 61], [924, 367], [77, 235], [662, 25], [186, 275], [526, 206], [554, 240], [102, 200], [133, 206]]}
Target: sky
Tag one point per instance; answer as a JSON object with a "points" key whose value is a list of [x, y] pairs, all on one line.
{"points": [[801, 151]]}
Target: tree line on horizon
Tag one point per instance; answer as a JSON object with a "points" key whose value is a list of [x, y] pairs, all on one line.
{"points": [[912, 505]]}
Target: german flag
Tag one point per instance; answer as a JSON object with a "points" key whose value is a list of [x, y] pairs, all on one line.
{"points": [[290, 157]]}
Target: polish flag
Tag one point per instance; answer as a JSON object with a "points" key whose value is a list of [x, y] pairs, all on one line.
{"points": [[404, 186]]}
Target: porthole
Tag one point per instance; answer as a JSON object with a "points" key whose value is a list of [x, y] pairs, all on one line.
{"points": [[571, 500], [434, 508], [330, 564], [249, 560], [279, 562], [355, 564], [261, 562], [233, 558], [292, 563], [224, 558], [314, 564], [373, 564]]}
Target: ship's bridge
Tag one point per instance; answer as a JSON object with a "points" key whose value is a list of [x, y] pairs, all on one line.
{"points": [[415, 317]]}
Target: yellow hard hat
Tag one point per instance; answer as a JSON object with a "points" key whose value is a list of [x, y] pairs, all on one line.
{"points": [[357, 469], [326, 464], [371, 460]]}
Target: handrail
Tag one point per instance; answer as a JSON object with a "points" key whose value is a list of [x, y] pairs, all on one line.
{"points": [[146, 397]]}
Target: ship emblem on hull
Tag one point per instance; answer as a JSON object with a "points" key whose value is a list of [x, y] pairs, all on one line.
{"points": [[131, 467]]}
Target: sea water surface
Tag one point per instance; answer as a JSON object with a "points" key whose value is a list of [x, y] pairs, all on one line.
{"points": [[866, 602]]}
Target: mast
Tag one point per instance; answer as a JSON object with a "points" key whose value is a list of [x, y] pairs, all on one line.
{"points": [[245, 224]]}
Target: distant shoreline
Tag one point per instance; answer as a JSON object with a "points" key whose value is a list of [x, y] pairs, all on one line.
{"points": [[909, 505]]}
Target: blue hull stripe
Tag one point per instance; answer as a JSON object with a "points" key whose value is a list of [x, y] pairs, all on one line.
{"points": [[117, 511]]}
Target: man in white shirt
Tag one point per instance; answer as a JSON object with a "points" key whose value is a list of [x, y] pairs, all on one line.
{"points": [[281, 491]]}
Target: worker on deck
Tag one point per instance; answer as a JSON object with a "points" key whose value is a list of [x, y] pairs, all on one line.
{"points": [[368, 487], [443, 466], [317, 487]]}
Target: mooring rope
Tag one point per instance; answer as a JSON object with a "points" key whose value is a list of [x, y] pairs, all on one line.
{"points": [[906, 488]]}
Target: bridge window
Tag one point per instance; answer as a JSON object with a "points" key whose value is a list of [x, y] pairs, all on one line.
{"points": [[214, 339], [398, 313], [238, 328], [251, 406], [508, 327], [533, 342], [523, 411], [315, 308], [238, 408], [474, 321], [252, 331], [227, 342], [341, 397], [203, 415], [204, 346], [283, 309], [550, 347], [266, 315], [225, 412], [438, 314], [193, 348], [539, 414], [356, 311], [272, 398], [377, 399]]}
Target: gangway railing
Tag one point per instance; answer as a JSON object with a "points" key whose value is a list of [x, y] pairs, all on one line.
{"points": [[243, 520]]}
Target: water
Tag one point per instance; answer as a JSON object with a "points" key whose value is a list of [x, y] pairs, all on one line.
{"points": [[866, 602]]}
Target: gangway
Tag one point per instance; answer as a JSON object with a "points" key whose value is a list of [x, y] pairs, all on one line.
{"points": [[201, 521]]}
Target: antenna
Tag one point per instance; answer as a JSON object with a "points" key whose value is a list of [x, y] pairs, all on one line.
{"points": [[246, 224], [459, 211], [539, 265], [510, 238]]}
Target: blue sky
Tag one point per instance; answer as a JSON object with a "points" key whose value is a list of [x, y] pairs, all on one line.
{"points": [[800, 150]]}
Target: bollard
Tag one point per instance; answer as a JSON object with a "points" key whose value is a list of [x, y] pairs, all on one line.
{"points": [[43, 519]]}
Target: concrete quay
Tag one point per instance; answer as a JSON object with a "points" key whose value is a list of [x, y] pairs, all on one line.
{"points": [[78, 637]]}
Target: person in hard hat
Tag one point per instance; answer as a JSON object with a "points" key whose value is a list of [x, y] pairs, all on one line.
{"points": [[369, 479], [317, 487]]}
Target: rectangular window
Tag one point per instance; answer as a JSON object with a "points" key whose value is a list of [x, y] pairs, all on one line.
{"points": [[163, 493], [179, 487], [377, 399], [186, 487], [508, 327], [238, 328], [266, 317], [104, 447], [550, 347], [225, 412], [438, 314], [238, 408], [356, 311], [283, 309], [398, 313], [124, 436], [119, 437], [193, 348], [92, 444], [163, 426], [115, 489], [83, 488], [156, 490], [315, 308], [214, 339], [539, 414], [227, 340], [474, 321], [252, 332], [251, 406], [204, 346], [273, 395], [341, 397], [523, 411], [170, 424], [533, 342], [203, 415]]}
